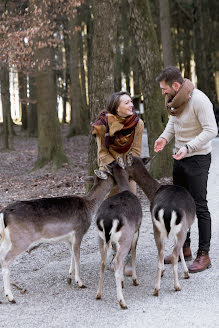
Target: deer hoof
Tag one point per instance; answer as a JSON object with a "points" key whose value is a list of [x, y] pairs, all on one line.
{"points": [[135, 282], [69, 281], [12, 301], [123, 305], [156, 292], [186, 275], [98, 297]]}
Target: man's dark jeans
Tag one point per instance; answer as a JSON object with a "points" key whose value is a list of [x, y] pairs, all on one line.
{"points": [[192, 173]]}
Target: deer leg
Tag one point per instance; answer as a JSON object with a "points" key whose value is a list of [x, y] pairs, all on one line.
{"points": [[4, 252], [175, 258], [119, 284], [71, 270], [122, 251], [160, 267], [103, 252], [76, 251], [6, 282], [185, 269], [133, 255]]}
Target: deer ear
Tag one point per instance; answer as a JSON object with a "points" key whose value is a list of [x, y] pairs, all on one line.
{"points": [[101, 174], [108, 169], [146, 160], [129, 159], [120, 162]]}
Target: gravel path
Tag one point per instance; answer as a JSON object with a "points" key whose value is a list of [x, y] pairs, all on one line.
{"points": [[50, 302]]}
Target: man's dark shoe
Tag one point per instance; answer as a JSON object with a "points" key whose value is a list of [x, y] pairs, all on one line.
{"points": [[186, 252], [201, 262]]}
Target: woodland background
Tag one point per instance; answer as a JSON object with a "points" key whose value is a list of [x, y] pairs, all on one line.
{"points": [[78, 52], [68, 56]]}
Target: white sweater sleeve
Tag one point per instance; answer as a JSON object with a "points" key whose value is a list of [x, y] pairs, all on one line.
{"points": [[169, 132], [204, 111]]}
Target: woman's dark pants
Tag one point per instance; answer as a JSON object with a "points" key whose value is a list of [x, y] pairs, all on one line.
{"points": [[192, 174]]}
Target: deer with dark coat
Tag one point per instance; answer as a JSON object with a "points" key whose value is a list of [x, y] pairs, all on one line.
{"points": [[173, 212], [118, 220], [57, 219]]}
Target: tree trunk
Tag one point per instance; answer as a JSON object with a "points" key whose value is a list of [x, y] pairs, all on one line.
{"points": [[6, 106], [22, 78], [168, 57], [117, 69], [66, 96], [136, 78], [102, 63], [32, 117], [50, 148], [150, 61], [126, 62], [203, 50], [199, 48], [187, 47], [79, 119], [85, 108]]}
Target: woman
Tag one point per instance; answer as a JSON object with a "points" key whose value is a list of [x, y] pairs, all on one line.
{"points": [[118, 131]]}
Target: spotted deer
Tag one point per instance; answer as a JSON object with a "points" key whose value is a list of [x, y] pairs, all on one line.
{"points": [[173, 212], [118, 220], [67, 218]]}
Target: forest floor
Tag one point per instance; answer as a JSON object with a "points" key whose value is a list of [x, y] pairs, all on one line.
{"points": [[50, 302], [20, 181]]}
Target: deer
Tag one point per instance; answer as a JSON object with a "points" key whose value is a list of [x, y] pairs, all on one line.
{"points": [[118, 221], [173, 212], [56, 219]]}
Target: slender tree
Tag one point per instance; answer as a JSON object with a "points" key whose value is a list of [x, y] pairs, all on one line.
{"points": [[102, 62], [150, 61], [168, 57], [6, 105], [50, 148], [22, 80], [32, 117], [204, 48], [79, 110], [118, 67]]}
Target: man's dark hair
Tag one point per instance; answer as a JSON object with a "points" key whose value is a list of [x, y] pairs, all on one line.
{"points": [[169, 75], [114, 101]]}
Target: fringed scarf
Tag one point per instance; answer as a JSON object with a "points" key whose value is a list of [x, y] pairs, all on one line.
{"points": [[176, 104], [118, 132]]}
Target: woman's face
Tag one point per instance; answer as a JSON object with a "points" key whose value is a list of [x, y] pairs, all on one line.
{"points": [[125, 107]]}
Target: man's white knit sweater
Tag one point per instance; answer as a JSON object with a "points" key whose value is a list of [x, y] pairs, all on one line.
{"points": [[195, 126]]}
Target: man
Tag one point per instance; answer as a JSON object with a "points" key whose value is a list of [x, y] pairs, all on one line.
{"points": [[192, 123]]}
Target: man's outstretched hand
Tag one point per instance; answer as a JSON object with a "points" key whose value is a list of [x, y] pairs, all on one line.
{"points": [[159, 144], [181, 153]]}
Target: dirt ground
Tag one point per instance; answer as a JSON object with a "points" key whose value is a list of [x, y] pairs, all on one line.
{"points": [[19, 181], [50, 302]]}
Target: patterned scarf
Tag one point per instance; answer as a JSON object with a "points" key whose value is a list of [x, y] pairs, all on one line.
{"points": [[176, 104], [118, 131]]}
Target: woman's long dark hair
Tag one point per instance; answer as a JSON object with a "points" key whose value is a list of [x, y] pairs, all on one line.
{"points": [[114, 101]]}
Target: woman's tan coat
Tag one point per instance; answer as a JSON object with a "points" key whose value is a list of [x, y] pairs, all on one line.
{"points": [[107, 156]]}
